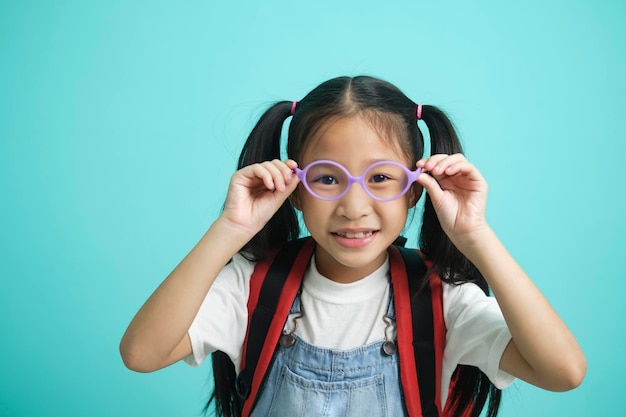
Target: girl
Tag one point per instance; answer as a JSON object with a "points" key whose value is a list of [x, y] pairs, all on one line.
{"points": [[366, 128]]}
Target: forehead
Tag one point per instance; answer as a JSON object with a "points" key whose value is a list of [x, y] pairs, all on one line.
{"points": [[355, 138]]}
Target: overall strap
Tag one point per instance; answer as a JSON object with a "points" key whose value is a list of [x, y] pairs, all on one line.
{"points": [[421, 331], [273, 287]]}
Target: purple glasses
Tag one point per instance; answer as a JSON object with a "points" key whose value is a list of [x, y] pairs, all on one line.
{"points": [[383, 180]]}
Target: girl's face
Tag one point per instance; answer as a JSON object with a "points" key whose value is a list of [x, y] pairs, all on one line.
{"points": [[354, 232]]}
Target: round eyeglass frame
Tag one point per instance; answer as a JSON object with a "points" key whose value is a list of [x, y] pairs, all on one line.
{"points": [[411, 178]]}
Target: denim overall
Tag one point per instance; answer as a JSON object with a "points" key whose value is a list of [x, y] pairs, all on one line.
{"points": [[305, 380]]}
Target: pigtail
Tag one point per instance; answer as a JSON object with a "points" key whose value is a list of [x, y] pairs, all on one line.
{"points": [[263, 144], [224, 392], [448, 261], [471, 388]]}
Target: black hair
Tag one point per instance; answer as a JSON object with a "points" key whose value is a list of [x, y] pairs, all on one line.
{"points": [[394, 115]]}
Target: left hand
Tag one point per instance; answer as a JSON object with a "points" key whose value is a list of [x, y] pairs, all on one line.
{"points": [[458, 192], [542, 350]]}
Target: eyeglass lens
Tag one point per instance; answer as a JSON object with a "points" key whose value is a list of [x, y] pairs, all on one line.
{"points": [[383, 181]]}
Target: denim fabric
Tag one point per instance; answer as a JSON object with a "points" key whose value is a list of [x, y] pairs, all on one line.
{"points": [[305, 380]]}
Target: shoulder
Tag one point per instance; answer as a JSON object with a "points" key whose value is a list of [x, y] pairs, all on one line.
{"points": [[467, 309], [458, 297], [235, 276], [460, 292], [241, 263]]}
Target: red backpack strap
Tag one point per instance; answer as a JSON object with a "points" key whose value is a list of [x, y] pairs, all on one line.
{"points": [[436, 291], [273, 287], [421, 331]]}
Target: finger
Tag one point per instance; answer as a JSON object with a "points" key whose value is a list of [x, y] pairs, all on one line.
{"points": [[431, 185], [467, 171], [291, 164], [436, 158], [275, 169], [288, 178], [286, 169], [428, 163], [459, 167], [290, 187], [439, 166], [263, 172]]}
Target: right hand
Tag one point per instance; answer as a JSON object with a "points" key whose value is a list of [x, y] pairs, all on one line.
{"points": [[257, 191], [158, 335]]}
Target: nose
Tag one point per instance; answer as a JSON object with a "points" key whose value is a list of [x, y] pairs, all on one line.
{"points": [[356, 203]]}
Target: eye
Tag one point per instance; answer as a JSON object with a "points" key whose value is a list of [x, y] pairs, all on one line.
{"points": [[379, 178], [325, 179]]}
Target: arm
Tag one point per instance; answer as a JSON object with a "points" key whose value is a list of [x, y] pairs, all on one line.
{"points": [[543, 351], [157, 335]]}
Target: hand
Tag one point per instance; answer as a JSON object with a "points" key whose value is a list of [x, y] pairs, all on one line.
{"points": [[257, 191], [458, 193]]}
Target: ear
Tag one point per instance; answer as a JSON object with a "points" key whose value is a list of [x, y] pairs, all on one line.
{"points": [[415, 193], [296, 199]]}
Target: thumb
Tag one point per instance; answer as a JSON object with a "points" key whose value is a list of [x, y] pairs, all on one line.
{"points": [[431, 185], [290, 186]]}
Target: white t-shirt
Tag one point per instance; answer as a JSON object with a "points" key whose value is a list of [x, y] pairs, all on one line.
{"points": [[346, 316]]}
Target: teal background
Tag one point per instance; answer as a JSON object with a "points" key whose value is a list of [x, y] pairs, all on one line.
{"points": [[121, 122]]}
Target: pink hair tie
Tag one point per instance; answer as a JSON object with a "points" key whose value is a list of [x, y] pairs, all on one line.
{"points": [[419, 112], [293, 107]]}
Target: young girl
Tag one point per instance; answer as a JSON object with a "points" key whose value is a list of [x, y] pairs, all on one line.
{"points": [[356, 168]]}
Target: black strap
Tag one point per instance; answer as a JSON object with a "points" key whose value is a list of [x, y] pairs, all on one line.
{"points": [[423, 330], [263, 314]]}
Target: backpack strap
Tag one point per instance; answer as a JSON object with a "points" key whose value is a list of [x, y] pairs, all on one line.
{"points": [[421, 331], [268, 306], [419, 320]]}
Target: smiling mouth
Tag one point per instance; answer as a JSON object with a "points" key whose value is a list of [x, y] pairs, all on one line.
{"points": [[357, 235]]}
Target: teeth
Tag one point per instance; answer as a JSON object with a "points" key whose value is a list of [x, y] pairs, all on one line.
{"points": [[357, 235]]}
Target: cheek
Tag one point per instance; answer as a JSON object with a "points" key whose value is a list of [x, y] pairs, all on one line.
{"points": [[312, 209], [302, 199]]}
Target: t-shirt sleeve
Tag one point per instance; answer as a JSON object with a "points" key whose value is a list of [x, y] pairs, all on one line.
{"points": [[476, 332], [221, 321]]}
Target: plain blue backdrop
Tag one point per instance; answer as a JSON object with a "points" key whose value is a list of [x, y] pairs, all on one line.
{"points": [[121, 122]]}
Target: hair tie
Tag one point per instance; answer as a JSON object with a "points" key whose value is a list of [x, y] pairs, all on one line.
{"points": [[293, 107], [419, 112]]}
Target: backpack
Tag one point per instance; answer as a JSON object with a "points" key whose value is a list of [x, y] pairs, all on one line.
{"points": [[419, 319]]}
